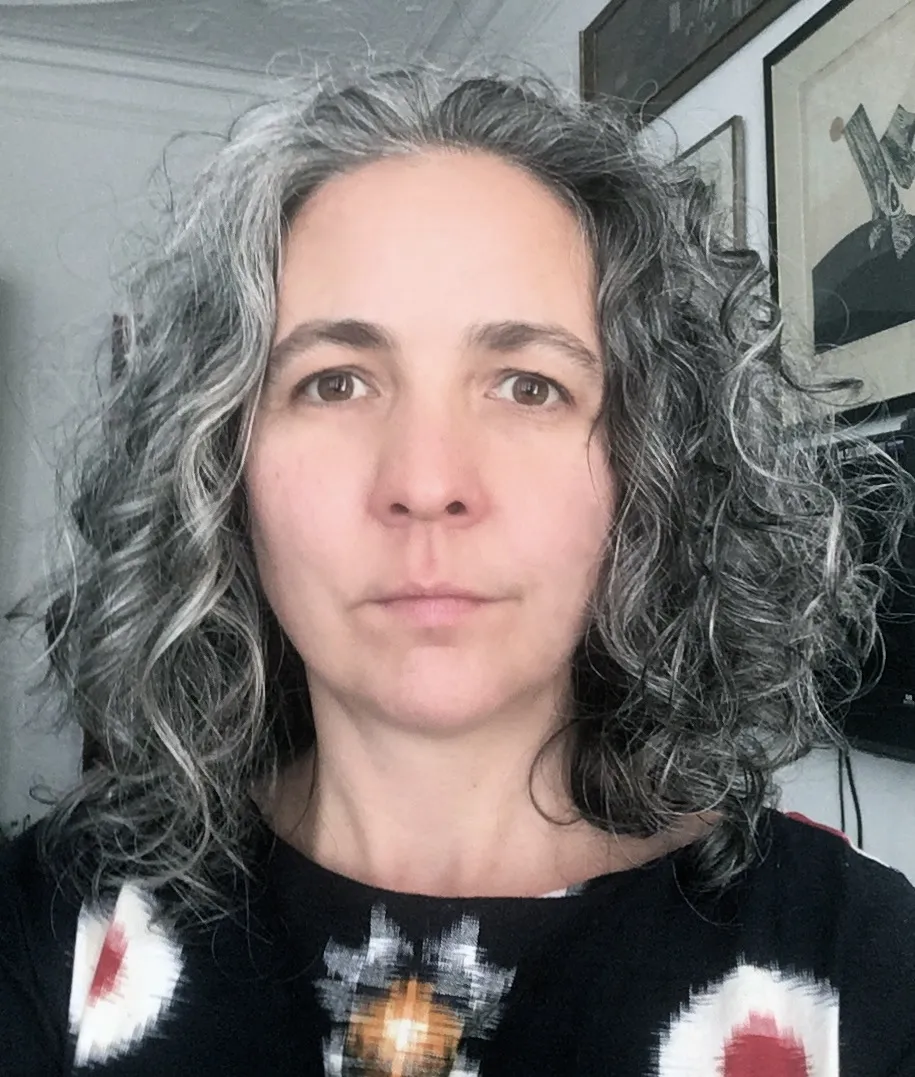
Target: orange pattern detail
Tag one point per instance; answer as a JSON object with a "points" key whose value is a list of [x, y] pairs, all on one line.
{"points": [[405, 1033]]}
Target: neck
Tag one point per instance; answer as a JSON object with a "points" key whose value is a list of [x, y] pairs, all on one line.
{"points": [[448, 816]]}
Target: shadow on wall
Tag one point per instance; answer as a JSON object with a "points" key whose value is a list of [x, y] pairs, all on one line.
{"points": [[10, 420], [26, 717]]}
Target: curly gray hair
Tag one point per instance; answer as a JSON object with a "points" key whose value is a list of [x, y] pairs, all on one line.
{"points": [[733, 606]]}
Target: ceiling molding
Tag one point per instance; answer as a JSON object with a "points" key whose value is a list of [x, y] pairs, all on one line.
{"points": [[276, 37], [255, 43], [56, 56], [61, 3], [92, 86], [288, 37]]}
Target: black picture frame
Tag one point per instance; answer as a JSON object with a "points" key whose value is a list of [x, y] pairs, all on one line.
{"points": [[870, 348], [649, 53]]}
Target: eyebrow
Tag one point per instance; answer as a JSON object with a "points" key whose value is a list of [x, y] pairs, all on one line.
{"points": [[505, 337]]}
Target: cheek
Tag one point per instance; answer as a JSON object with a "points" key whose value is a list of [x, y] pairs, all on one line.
{"points": [[281, 497], [562, 525], [580, 530], [304, 518]]}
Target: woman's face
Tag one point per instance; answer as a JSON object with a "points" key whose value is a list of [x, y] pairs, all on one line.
{"points": [[425, 423]]}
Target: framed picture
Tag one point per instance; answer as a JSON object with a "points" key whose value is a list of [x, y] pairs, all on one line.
{"points": [[650, 52], [840, 131], [719, 159]]}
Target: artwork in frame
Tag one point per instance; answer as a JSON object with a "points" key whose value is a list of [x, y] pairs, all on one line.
{"points": [[841, 163], [719, 160], [650, 52]]}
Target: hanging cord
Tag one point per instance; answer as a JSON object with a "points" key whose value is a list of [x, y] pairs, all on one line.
{"points": [[843, 758], [845, 768], [854, 796]]}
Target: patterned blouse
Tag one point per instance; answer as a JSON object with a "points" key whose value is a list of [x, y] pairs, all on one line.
{"points": [[805, 967]]}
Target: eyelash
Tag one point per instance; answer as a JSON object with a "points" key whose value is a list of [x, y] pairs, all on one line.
{"points": [[300, 389]]}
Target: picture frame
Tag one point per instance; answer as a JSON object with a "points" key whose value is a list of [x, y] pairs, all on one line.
{"points": [[720, 161], [649, 53], [840, 149]]}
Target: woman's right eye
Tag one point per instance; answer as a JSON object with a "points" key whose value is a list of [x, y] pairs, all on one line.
{"points": [[331, 387]]}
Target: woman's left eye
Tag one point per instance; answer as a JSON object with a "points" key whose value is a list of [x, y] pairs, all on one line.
{"points": [[533, 390]]}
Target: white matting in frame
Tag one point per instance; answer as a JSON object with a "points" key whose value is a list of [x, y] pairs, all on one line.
{"points": [[840, 125]]}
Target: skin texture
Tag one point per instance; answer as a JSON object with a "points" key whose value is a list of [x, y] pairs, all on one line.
{"points": [[425, 459]]}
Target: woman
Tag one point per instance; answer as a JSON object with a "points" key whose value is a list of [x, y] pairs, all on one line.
{"points": [[458, 538]]}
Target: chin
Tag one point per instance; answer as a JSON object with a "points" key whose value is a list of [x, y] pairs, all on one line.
{"points": [[454, 700]]}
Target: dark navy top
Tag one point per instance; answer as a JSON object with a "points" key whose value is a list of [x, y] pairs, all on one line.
{"points": [[805, 967]]}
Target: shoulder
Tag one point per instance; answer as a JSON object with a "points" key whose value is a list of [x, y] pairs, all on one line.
{"points": [[820, 865], [22, 870], [861, 914], [816, 871], [37, 928], [33, 904]]}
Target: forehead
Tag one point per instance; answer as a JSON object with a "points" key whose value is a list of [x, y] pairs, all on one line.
{"points": [[444, 213], [439, 179], [451, 228]]}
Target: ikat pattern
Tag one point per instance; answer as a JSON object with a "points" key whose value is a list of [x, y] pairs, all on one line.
{"points": [[755, 1022], [406, 1014], [125, 973]]}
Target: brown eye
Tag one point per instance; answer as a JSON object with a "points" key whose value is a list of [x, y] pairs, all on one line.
{"points": [[530, 390], [331, 387]]}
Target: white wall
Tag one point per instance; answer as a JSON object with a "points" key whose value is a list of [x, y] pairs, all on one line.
{"points": [[80, 136], [886, 788]]}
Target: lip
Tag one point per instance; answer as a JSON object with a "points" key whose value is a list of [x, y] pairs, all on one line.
{"points": [[432, 611], [441, 590]]}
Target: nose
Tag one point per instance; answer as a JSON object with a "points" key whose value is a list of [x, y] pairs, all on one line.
{"points": [[429, 469]]}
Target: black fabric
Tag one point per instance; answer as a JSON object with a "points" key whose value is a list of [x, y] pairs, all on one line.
{"points": [[805, 966]]}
